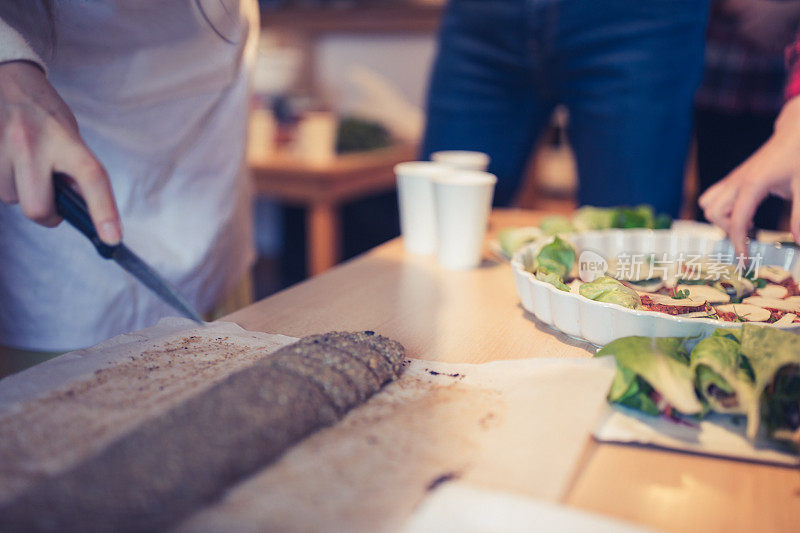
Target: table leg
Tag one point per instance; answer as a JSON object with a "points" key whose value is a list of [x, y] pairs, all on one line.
{"points": [[323, 237]]}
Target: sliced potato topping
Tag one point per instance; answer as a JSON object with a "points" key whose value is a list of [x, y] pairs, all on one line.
{"points": [[663, 299], [704, 292], [696, 314], [773, 291], [750, 313], [788, 305], [773, 274], [785, 320]]}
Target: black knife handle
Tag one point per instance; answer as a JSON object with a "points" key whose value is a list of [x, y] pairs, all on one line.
{"points": [[72, 207]]}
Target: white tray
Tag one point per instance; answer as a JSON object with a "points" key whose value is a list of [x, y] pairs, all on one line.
{"points": [[601, 323]]}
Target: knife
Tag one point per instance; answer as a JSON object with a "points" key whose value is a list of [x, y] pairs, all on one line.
{"points": [[72, 207]]}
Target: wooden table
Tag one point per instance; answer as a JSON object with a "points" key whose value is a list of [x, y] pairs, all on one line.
{"points": [[322, 189], [474, 317]]}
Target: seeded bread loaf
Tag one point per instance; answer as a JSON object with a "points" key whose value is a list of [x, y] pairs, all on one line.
{"points": [[171, 465]]}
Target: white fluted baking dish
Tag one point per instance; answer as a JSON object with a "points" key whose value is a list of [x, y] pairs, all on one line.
{"points": [[601, 323]]}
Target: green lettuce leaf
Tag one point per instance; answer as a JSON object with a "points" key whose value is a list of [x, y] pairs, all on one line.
{"points": [[593, 218], [552, 278], [512, 239], [734, 334], [555, 224], [634, 217], [556, 257], [661, 363], [630, 390], [609, 290], [662, 221], [589, 218]]}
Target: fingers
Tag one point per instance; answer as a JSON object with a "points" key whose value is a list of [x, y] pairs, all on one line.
{"points": [[741, 219], [707, 198], [35, 192], [29, 177], [39, 135], [8, 189], [94, 185], [732, 203], [29, 180], [794, 225], [718, 201]]}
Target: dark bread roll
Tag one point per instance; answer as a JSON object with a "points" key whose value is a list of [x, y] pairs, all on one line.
{"points": [[392, 351], [375, 362], [322, 368], [347, 364], [177, 462]]}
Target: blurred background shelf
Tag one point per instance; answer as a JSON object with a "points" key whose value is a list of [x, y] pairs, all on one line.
{"points": [[323, 189]]}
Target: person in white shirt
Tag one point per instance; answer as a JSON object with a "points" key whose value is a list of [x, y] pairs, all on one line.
{"points": [[147, 99]]}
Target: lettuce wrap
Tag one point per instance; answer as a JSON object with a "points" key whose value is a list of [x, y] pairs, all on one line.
{"points": [[754, 370], [723, 375], [653, 375], [609, 290], [775, 359]]}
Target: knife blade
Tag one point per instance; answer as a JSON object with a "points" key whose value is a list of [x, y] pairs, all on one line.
{"points": [[72, 207]]}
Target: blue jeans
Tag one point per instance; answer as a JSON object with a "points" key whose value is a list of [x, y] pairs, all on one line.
{"points": [[626, 69]]}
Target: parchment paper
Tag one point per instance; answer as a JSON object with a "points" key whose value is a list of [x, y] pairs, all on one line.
{"points": [[464, 508], [515, 425], [716, 435]]}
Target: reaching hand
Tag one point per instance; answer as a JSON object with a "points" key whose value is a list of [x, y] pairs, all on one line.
{"points": [[772, 169], [39, 135]]}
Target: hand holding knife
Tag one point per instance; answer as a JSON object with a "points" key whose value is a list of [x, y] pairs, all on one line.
{"points": [[72, 207]]}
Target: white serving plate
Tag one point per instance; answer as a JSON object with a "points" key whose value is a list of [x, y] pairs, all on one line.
{"points": [[601, 323]]}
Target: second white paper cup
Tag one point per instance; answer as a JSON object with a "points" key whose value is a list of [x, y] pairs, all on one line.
{"points": [[463, 201], [462, 159], [417, 209]]}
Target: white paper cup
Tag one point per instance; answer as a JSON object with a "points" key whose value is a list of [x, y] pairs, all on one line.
{"points": [[462, 159], [463, 201], [417, 210]]}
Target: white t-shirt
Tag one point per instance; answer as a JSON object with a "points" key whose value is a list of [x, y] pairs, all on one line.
{"points": [[160, 92]]}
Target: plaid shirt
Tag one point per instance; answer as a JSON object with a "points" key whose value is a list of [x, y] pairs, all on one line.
{"points": [[793, 69], [738, 77]]}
